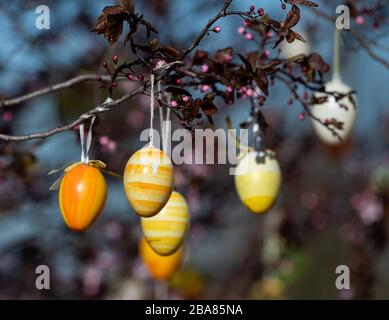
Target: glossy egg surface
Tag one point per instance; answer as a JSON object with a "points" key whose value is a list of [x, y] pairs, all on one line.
{"points": [[166, 231], [160, 267], [257, 184], [82, 195], [148, 180]]}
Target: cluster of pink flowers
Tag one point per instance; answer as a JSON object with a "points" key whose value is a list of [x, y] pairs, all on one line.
{"points": [[243, 31], [107, 144], [246, 92]]}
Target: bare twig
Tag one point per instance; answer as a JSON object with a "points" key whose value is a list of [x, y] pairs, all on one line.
{"points": [[51, 89], [222, 13], [305, 106], [85, 116], [364, 43]]}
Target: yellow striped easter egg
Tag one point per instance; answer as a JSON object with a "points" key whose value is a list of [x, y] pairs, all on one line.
{"points": [[148, 180], [166, 231], [258, 184]]}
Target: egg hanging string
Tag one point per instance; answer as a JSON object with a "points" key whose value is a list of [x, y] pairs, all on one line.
{"points": [[151, 134], [336, 62], [160, 110], [256, 129], [164, 120], [162, 65], [85, 144], [167, 128]]}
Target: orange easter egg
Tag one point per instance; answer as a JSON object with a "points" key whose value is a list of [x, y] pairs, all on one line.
{"points": [[148, 180], [160, 267], [82, 195]]}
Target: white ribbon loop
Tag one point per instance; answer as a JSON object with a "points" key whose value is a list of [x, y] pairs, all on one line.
{"points": [[151, 136], [86, 143]]}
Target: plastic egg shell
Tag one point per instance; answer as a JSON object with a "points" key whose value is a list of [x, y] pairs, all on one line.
{"points": [[297, 47], [257, 184], [82, 195], [148, 180], [160, 267], [166, 231], [332, 109]]}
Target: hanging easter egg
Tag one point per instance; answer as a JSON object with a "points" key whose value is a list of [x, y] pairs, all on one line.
{"points": [[148, 180], [343, 111], [297, 47], [160, 267], [82, 195], [258, 180], [166, 231]]}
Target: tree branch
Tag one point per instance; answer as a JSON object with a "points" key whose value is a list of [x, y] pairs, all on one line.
{"points": [[204, 32], [51, 89], [364, 44], [85, 116]]}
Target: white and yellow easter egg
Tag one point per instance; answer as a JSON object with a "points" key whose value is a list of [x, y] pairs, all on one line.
{"points": [[258, 183], [166, 231], [342, 110], [148, 180]]}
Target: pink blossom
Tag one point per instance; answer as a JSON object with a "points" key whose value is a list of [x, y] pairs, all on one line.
{"points": [[8, 116], [360, 20], [241, 30], [204, 87], [112, 146], [249, 36], [217, 29], [104, 140], [368, 207], [228, 58], [204, 68]]}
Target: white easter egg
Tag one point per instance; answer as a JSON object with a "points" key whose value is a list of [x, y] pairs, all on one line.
{"points": [[343, 111], [289, 50]]}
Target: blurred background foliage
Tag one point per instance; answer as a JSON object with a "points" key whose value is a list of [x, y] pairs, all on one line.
{"points": [[333, 207]]}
